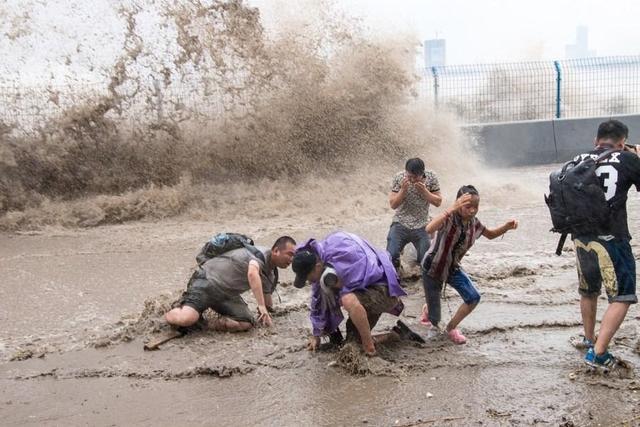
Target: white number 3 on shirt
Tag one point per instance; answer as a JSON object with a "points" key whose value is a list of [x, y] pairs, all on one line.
{"points": [[610, 181]]}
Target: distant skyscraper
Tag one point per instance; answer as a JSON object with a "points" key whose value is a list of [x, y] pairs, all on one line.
{"points": [[434, 53], [581, 48]]}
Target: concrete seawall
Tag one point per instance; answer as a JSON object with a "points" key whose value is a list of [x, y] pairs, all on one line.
{"points": [[541, 141]]}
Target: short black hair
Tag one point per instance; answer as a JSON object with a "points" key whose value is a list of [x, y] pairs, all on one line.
{"points": [[282, 241], [415, 166], [612, 129], [467, 189]]}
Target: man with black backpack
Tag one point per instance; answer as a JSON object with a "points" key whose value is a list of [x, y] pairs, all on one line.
{"points": [[600, 235], [229, 266]]}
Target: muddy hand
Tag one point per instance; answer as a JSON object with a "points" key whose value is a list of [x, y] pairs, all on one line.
{"points": [[264, 317], [369, 349], [512, 224], [313, 344]]}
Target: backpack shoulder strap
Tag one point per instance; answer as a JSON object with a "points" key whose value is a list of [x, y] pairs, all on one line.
{"points": [[255, 252], [606, 154], [258, 254], [563, 238]]}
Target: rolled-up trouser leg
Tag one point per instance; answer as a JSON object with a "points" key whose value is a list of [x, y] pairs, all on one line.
{"points": [[432, 290]]}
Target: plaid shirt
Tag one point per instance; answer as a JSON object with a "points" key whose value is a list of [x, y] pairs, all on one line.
{"points": [[413, 212], [449, 244]]}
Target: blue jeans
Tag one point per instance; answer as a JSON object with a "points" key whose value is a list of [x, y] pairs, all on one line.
{"points": [[458, 281], [399, 236]]}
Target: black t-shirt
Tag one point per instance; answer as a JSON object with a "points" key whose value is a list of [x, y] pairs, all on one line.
{"points": [[617, 174]]}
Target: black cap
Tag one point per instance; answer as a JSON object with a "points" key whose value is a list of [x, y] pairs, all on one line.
{"points": [[302, 265]]}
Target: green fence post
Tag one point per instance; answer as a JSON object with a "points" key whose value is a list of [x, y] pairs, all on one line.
{"points": [[434, 72], [558, 86]]}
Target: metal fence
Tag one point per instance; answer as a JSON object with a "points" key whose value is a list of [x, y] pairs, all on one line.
{"points": [[588, 87]]}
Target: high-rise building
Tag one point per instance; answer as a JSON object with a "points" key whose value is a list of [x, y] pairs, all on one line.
{"points": [[434, 53], [581, 47]]}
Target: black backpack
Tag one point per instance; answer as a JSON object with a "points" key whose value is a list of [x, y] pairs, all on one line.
{"points": [[576, 200], [225, 242]]}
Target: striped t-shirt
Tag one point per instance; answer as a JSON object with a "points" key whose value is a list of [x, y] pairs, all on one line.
{"points": [[449, 244]]}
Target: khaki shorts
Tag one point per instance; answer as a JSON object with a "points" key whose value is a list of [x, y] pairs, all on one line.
{"points": [[375, 300], [608, 263]]}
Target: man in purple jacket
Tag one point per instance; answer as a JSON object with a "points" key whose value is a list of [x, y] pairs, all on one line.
{"points": [[346, 270]]}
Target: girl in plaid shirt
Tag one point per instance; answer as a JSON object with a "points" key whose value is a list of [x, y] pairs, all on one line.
{"points": [[453, 232]]}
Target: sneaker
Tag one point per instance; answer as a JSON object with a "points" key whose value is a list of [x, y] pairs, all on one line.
{"points": [[424, 316], [456, 336], [604, 361], [406, 333], [585, 344]]}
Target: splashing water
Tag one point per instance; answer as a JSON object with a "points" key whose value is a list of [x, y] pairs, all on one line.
{"points": [[201, 100]]}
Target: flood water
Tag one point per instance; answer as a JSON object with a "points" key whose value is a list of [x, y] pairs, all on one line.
{"points": [[165, 124], [77, 306]]}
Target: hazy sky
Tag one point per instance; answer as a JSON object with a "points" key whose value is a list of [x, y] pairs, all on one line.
{"points": [[38, 33], [503, 30]]}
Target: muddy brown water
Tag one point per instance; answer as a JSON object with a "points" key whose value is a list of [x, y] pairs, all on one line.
{"points": [[77, 305]]}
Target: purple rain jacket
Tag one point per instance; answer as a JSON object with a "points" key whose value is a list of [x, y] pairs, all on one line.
{"points": [[358, 265]]}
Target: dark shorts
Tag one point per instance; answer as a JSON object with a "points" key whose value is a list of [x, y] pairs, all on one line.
{"points": [[375, 300], [201, 294], [606, 262]]}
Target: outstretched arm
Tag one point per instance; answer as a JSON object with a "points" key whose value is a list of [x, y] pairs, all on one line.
{"points": [[253, 275], [492, 233]]}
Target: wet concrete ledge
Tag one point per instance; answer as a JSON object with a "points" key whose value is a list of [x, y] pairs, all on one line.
{"points": [[537, 142]]}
